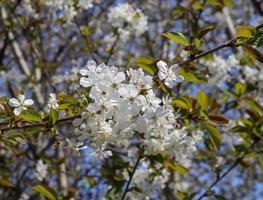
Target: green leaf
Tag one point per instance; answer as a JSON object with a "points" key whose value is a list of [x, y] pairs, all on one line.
{"points": [[70, 194], [203, 99], [254, 53], [30, 116], [148, 64], [257, 40], [214, 136], [6, 183], [215, 2], [254, 106], [240, 129], [175, 167], [164, 87], [46, 191], [204, 30], [177, 37], [16, 138], [198, 43], [66, 101], [192, 77], [180, 103], [53, 116], [245, 31], [86, 30], [240, 88]]}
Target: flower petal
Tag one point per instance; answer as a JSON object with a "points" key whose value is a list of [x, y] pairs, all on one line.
{"points": [[169, 82], [162, 66], [18, 110], [28, 102], [163, 69], [85, 82], [21, 98], [93, 107], [179, 78], [84, 72], [14, 102]]}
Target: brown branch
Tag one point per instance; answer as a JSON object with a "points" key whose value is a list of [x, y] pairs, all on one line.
{"points": [[126, 190], [218, 179], [229, 43], [39, 124]]}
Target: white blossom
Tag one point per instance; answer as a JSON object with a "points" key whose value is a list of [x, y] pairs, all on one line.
{"points": [[127, 20], [52, 102], [41, 170], [20, 104], [169, 74], [85, 4], [76, 146]]}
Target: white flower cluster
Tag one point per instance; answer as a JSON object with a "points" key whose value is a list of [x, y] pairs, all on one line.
{"points": [[220, 70], [127, 20], [125, 109], [67, 6]]}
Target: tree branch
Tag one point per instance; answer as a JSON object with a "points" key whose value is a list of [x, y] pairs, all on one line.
{"points": [[215, 182], [229, 43], [39, 124], [131, 177]]}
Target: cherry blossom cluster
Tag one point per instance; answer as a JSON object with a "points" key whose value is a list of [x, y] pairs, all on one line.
{"points": [[226, 69], [125, 110], [127, 20], [68, 8]]}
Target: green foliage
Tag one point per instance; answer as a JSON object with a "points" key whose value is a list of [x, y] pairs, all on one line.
{"points": [[180, 103], [30, 116], [86, 30], [6, 183], [177, 37], [240, 88], [148, 64], [203, 100], [192, 77], [214, 137], [254, 53], [175, 167], [257, 40], [16, 139], [204, 30], [164, 87], [66, 101], [245, 31], [53, 116], [46, 191]]}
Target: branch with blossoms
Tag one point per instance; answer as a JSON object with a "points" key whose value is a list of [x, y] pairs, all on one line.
{"points": [[177, 114], [166, 74]]}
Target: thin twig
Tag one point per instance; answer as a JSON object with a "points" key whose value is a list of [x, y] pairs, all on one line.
{"points": [[39, 124], [131, 177], [218, 179], [229, 43]]}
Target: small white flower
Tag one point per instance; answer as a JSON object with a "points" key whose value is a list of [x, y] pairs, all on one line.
{"points": [[76, 146], [169, 74], [20, 104], [85, 4], [41, 170], [52, 102]]}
